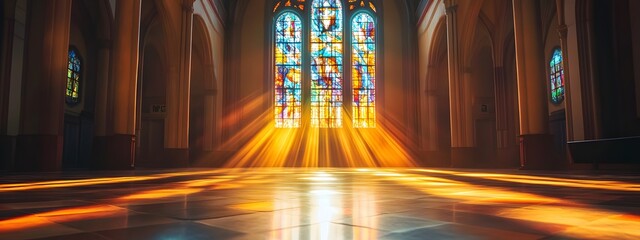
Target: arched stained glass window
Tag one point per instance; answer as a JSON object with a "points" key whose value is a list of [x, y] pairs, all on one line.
{"points": [[288, 54], [74, 70], [556, 77], [320, 82], [326, 63], [363, 70]]}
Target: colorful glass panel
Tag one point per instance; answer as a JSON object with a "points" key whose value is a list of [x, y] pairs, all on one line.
{"points": [[74, 67], [288, 72], [326, 63], [363, 70], [557, 77]]}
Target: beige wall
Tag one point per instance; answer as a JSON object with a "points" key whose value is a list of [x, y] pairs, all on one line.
{"points": [[252, 50], [393, 102]]}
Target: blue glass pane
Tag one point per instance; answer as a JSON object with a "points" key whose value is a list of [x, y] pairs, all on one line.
{"points": [[73, 77], [556, 77]]}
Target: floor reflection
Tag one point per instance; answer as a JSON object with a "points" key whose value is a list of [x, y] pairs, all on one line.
{"points": [[291, 203]]}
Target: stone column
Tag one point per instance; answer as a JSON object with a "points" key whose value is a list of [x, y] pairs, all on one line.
{"points": [[40, 141], [8, 22], [502, 110], [430, 111], [179, 94], [210, 98], [462, 146], [102, 88], [6, 44], [535, 140], [102, 113], [124, 79], [562, 32]]}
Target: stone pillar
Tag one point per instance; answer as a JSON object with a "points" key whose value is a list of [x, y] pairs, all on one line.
{"points": [[431, 114], [120, 144], [102, 88], [6, 44], [462, 146], [507, 152], [178, 95], [502, 110], [102, 113], [40, 141], [535, 140], [210, 124], [7, 142], [562, 32], [210, 111]]}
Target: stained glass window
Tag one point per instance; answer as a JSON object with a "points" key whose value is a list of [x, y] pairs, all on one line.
{"points": [[326, 63], [288, 53], [74, 70], [363, 70], [557, 77], [324, 84]]}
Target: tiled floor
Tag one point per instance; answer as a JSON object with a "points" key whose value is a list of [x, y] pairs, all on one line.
{"points": [[319, 204]]}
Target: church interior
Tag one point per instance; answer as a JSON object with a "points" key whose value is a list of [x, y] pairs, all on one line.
{"points": [[319, 119]]}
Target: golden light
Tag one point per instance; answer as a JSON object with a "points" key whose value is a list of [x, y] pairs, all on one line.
{"points": [[96, 181], [261, 144], [321, 177], [161, 193], [255, 206], [539, 180], [287, 218], [184, 188], [364, 207], [582, 221], [64, 215]]}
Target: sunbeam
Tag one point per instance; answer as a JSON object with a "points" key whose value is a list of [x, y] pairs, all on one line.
{"points": [[317, 147]]}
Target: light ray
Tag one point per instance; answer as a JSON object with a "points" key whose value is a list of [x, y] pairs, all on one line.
{"points": [[582, 221], [313, 147], [539, 180]]}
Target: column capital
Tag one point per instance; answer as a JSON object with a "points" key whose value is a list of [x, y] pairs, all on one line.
{"points": [[451, 9], [562, 31], [187, 5]]}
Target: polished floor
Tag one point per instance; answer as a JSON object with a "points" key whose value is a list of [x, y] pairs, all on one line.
{"points": [[292, 203]]}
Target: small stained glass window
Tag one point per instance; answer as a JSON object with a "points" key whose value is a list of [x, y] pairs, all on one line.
{"points": [[288, 72], [326, 63], [74, 75], [556, 77], [363, 74]]}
